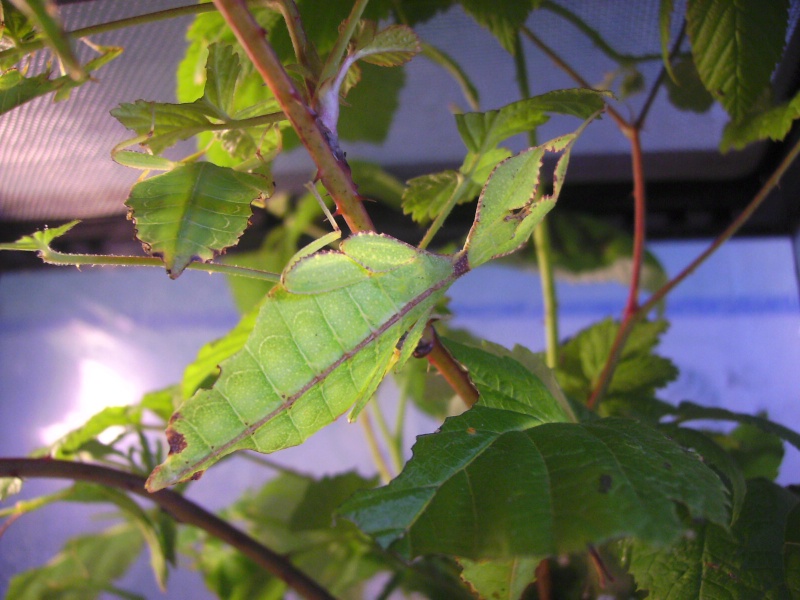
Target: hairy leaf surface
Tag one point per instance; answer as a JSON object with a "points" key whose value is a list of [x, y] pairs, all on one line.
{"points": [[494, 483], [745, 562], [193, 212], [736, 46]]}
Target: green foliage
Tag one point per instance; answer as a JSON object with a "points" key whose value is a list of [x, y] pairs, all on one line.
{"points": [[745, 562], [638, 375], [193, 212], [735, 46], [87, 567], [528, 472], [497, 483]]}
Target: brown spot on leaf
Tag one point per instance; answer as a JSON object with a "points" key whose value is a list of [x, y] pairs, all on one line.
{"points": [[471, 430], [461, 266], [176, 441], [605, 483], [196, 476]]}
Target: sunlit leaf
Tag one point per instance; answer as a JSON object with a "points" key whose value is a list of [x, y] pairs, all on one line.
{"points": [[9, 486], [40, 240], [163, 123], [193, 212], [426, 195], [86, 567], [772, 123], [745, 562], [482, 131], [500, 579], [494, 483], [389, 47], [736, 46], [222, 71], [327, 334], [112, 416]]}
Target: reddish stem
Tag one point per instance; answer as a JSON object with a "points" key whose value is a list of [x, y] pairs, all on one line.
{"points": [[431, 347]]}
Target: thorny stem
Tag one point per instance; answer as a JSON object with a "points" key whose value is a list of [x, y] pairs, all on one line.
{"points": [[183, 510], [331, 166], [374, 449], [541, 237], [455, 375], [304, 50], [93, 260]]}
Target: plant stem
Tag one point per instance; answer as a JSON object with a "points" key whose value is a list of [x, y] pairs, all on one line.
{"points": [[639, 218], [304, 50], [455, 375], [541, 236], [93, 260], [627, 325], [564, 66], [171, 13], [334, 59], [388, 438], [183, 510], [374, 449], [596, 38], [332, 168]]}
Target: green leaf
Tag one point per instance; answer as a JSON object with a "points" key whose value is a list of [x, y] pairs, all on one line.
{"points": [[426, 195], [376, 183], [14, 26], [714, 454], [511, 204], [483, 131], [161, 402], [44, 15], [638, 375], [746, 562], [665, 9], [40, 240], [86, 567], [773, 123], [193, 212], [222, 71], [504, 382], [685, 90], [503, 18], [757, 453], [689, 411], [736, 46], [203, 371], [494, 483], [112, 416], [791, 552], [447, 62], [378, 87], [16, 90], [500, 579], [322, 341], [162, 124], [391, 47]]}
